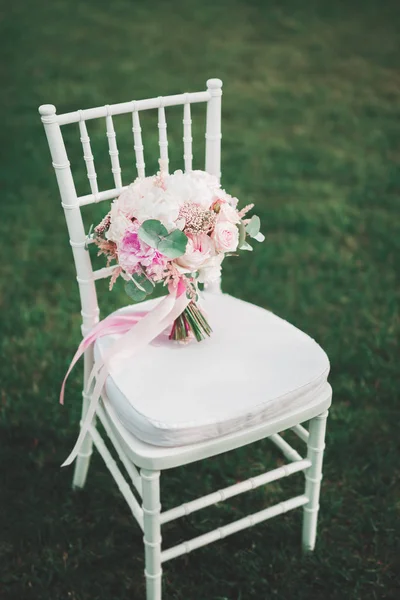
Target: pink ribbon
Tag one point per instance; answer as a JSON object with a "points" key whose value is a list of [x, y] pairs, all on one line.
{"points": [[137, 330]]}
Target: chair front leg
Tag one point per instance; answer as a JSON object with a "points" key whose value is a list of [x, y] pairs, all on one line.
{"points": [[152, 533], [83, 459], [315, 452]]}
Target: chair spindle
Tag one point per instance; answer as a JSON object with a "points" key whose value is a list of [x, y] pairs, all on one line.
{"points": [[138, 144], [187, 137], [88, 156], [113, 150], [162, 138]]}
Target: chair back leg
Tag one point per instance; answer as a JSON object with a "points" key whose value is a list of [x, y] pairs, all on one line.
{"points": [[152, 533], [83, 459], [313, 476]]}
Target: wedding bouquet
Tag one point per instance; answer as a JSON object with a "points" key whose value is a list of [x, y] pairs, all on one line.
{"points": [[176, 230]]}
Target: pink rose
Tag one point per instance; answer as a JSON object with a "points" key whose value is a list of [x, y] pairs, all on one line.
{"points": [[225, 236], [199, 249], [133, 253]]}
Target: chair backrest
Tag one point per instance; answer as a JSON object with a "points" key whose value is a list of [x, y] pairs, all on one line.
{"points": [[72, 203]]}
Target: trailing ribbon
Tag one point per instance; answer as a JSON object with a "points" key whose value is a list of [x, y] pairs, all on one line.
{"points": [[138, 330]]}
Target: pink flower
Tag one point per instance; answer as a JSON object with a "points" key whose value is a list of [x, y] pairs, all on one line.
{"points": [[225, 236], [228, 213], [199, 249], [133, 253]]}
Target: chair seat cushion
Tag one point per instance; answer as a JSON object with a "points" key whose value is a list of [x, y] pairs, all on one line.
{"points": [[254, 367]]}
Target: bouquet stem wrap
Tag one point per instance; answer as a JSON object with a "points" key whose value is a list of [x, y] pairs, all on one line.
{"points": [[191, 321], [138, 330]]}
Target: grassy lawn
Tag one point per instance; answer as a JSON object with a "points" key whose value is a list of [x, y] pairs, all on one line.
{"points": [[311, 126]]}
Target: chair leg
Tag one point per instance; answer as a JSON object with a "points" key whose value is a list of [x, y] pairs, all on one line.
{"points": [[83, 459], [315, 452], [152, 533]]}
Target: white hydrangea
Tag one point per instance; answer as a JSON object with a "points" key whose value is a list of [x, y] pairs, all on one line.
{"points": [[161, 199], [191, 189], [158, 204]]}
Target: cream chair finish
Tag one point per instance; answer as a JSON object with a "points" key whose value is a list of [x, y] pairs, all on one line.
{"points": [[144, 462]]}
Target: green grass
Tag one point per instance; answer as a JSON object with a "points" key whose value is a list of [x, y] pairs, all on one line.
{"points": [[311, 123]]}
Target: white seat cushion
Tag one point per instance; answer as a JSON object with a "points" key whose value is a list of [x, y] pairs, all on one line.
{"points": [[254, 367]]}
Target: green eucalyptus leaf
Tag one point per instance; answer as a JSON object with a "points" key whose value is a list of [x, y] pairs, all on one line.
{"points": [[152, 232], [253, 226], [138, 288], [174, 244], [260, 237], [242, 234], [134, 292], [246, 246], [143, 282]]}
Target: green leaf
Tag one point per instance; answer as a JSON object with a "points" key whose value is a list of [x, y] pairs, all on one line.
{"points": [[138, 288], [174, 244], [134, 292], [260, 237], [152, 232], [156, 235], [253, 226], [246, 246], [242, 234], [143, 282]]}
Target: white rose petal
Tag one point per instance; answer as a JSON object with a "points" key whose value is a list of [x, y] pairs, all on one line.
{"points": [[187, 188], [211, 270], [225, 197], [119, 224]]}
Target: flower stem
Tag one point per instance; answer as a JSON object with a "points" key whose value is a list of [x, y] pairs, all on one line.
{"points": [[191, 322]]}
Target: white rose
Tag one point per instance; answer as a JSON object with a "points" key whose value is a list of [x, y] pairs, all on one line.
{"points": [[125, 201], [211, 270], [199, 250], [225, 236], [131, 197], [119, 224]]}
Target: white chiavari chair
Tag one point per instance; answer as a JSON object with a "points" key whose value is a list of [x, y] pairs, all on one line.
{"points": [[288, 369]]}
